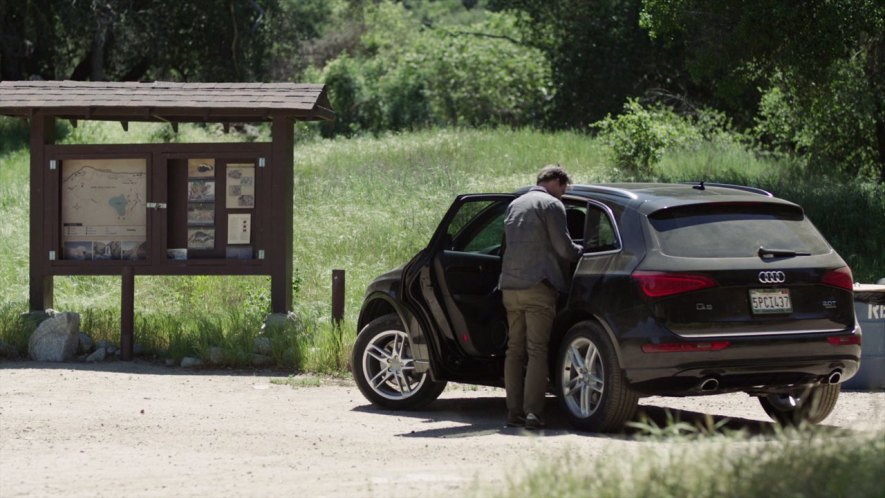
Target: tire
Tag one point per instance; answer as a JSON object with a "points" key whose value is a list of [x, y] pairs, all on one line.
{"points": [[810, 405], [590, 386], [384, 369]]}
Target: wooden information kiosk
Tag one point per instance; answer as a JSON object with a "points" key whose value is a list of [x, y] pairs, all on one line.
{"points": [[161, 209]]}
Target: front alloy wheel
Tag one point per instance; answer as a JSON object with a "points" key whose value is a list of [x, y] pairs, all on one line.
{"points": [[589, 382], [384, 368]]}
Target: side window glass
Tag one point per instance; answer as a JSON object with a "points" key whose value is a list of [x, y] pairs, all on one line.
{"points": [[575, 219], [600, 234], [478, 227], [488, 239]]}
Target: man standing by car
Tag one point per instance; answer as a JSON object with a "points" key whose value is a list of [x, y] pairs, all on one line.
{"points": [[538, 251]]}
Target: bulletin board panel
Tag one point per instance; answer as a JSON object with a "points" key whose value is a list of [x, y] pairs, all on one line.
{"points": [[162, 209]]}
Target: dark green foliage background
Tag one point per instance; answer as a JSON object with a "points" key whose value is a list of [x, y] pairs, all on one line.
{"points": [[806, 80]]}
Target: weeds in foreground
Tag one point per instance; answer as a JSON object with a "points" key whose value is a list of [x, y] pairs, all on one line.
{"points": [[806, 463], [298, 382], [675, 428]]}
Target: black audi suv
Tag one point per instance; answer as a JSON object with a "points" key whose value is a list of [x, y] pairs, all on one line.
{"points": [[683, 290]]}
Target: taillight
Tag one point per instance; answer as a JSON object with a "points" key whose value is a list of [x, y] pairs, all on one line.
{"points": [[844, 340], [840, 277], [684, 347], [660, 284]]}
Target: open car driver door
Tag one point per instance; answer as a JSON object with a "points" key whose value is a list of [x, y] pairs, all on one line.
{"points": [[459, 274]]}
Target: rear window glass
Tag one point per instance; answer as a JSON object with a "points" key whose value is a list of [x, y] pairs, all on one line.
{"points": [[734, 230]]}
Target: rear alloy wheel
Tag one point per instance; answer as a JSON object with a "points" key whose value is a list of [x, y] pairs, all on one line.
{"points": [[810, 405], [590, 385], [384, 368]]}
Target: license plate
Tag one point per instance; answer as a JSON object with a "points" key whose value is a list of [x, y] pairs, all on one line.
{"points": [[766, 301]]}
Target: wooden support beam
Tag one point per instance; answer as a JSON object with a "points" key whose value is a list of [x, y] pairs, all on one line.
{"points": [[41, 282], [281, 169], [127, 314]]}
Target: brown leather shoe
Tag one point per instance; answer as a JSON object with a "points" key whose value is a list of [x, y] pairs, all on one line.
{"points": [[534, 422], [514, 420]]}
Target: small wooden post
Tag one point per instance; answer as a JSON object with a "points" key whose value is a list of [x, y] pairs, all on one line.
{"points": [[127, 314], [337, 296]]}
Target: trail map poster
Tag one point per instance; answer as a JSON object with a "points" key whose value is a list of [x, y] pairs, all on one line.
{"points": [[103, 210]]}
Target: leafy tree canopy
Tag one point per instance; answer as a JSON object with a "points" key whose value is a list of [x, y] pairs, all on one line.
{"points": [[820, 65]]}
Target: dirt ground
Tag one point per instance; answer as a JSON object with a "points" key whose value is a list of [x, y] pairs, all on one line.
{"points": [[138, 429]]}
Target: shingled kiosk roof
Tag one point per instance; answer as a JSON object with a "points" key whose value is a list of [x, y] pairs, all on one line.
{"points": [[165, 101]]}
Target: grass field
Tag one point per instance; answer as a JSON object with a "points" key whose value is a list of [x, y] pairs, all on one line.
{"points": [[366, 205]]}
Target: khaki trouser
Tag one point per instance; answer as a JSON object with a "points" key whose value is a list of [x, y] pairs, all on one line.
{"points": [[530, 314]]}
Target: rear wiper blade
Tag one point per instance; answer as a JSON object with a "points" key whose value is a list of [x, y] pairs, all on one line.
{"points": [[779, 253]]}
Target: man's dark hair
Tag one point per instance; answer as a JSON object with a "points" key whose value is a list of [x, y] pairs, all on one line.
{"points": [[553, 172]]}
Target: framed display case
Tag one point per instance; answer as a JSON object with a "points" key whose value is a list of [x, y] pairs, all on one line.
{"points": [[167, 209]]}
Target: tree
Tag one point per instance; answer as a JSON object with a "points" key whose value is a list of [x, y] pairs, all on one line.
{"points": [[126, 40], [826, 58], [405, 74], [599, 55]]}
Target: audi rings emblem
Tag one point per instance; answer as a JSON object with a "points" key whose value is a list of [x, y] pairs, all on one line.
{"points": [[772, 277]]}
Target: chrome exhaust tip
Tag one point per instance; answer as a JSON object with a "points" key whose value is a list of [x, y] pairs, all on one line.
{"points": [[710, 385], [835, 377]]}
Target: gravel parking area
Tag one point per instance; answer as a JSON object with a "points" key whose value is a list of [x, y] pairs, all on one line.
{"points": [[138, 429]]}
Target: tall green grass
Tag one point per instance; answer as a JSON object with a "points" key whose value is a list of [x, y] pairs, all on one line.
{"points": [[366, 205]]}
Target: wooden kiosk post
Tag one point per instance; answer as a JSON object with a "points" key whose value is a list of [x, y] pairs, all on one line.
{"points": [[161, 209], [42, 134]]}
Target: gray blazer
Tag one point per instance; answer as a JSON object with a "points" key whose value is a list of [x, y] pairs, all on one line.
{"points": [[537, 243]]}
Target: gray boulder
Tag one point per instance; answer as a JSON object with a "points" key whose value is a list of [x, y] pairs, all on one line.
{"points": [[86, 344], [216, 355], [189, 362], [260, 360], [282, 321], [263, 345], [98, 355], [56, 338]]}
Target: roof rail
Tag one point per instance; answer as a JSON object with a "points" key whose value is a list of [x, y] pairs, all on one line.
{"points": [[620, 192], [752, 190]]}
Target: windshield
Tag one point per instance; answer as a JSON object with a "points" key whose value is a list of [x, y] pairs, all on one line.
{"points": [[734, 230]]}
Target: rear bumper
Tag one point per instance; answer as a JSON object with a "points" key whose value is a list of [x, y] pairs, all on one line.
{"points": [[747, 364]]}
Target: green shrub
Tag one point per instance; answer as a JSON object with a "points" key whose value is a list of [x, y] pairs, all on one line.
{"points": [[638, 138]]}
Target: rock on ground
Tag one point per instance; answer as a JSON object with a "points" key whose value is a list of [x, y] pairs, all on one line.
{"points": [[189, 362], [98, 355], [56, 338]]}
